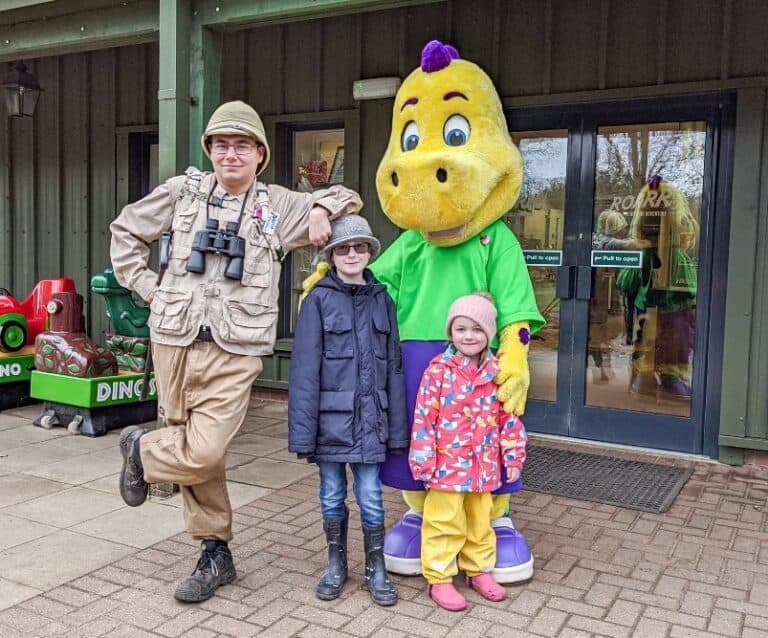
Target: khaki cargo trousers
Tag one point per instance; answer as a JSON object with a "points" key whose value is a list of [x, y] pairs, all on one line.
{"points": [[204, 393]]}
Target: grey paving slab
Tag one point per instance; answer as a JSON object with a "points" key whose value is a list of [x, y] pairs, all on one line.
{"points": [[14, 593], [256, 444], [58, 558], [18, 488], [19, 459], [270, 473], [81, 469], [16, 531], [66, 508], [139, 527]]}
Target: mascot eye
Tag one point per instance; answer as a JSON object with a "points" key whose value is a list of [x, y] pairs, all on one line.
{"points": [[410, 138], [456, 130]]}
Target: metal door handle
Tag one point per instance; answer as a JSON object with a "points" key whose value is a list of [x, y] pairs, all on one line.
{"points": [[566, 280], [584, 282]]}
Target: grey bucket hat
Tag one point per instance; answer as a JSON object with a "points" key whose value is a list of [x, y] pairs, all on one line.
{"points": [[350, 228]]}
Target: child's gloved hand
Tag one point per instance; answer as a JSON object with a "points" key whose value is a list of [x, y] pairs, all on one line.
{"points": [[399, 451], [310, 458], [513, 474], [514, 378]]}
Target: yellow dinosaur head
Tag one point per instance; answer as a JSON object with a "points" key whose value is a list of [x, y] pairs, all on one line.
{"points": [[663, 217], [450, 169]]}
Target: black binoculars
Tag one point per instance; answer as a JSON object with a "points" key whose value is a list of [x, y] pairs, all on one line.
{"points": [[220, 241]]}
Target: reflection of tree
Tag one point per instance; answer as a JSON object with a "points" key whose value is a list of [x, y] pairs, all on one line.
{"points": [[626, 160]]}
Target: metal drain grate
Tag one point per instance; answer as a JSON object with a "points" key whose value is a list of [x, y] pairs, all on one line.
{"points": [[648, 487]]}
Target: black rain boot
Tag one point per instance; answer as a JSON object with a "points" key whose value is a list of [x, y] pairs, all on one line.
{"points": [[382, 590], [333, 579], [214, 569]]}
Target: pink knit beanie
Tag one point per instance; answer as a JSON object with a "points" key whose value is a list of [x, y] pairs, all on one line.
{"points": [[478, 307]]}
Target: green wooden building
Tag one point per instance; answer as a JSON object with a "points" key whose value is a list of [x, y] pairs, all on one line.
{"points": [[600, 96]]}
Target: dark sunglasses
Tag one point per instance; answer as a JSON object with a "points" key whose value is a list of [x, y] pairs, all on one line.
{"points": [[361, 249]]}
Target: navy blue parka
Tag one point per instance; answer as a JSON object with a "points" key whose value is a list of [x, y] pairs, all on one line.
{"points": [[346, 396]]}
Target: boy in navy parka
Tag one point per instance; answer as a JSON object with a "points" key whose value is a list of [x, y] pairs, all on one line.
{"points": [[346, 401]]}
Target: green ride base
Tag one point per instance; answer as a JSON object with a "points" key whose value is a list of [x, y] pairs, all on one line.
{"points": [[93, 406], [15, 369]]}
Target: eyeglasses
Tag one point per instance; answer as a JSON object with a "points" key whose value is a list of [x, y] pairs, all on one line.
{"points": [[242, 149], [361, 249]]}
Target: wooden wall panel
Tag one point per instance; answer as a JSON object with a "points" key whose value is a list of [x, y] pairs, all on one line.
{"points": [[632, 43], [694, 37], [419, 25], [522, 48], [233, 74], [381, 44], [304, 66], [102, 180], [575, 45], [474, 27], [23, 202], [341, 61], [264, 67], [131, 90], [748, 52], [48, 134]]}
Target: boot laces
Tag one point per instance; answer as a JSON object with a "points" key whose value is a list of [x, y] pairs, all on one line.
{"points": [[207, 563]]}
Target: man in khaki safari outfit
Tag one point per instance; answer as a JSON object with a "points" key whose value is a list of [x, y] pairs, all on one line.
{"points": [[213, 315]]}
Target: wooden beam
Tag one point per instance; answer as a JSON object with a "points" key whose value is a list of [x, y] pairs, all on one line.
{"points": [[173, 90], [128, 23], [205, 86], [242, 14]]}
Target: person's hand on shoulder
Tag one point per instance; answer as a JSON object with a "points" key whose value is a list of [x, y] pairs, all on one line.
{"points": [[319, 226]]}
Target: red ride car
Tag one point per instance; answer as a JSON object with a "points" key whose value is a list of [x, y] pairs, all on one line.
{"points": [[21, 322]]}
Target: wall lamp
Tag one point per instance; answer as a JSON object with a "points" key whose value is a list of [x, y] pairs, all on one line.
{"points": [[21, 91]]}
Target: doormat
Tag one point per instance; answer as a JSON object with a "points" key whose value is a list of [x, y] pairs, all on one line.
{"points": [[648, 487]]}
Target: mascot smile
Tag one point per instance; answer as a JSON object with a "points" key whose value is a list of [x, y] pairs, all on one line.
{"points": [[450, 172]]}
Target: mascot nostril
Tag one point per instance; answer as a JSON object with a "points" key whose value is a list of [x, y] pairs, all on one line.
{"points": [[395, 181], [442, 175]]}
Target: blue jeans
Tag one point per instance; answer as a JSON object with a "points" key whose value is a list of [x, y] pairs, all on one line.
{"points": [[367, 486]]}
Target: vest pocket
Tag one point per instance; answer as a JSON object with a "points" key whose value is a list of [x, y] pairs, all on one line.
{"points": [[170, 311], [257, 267], [247, 322], [183, 219]]}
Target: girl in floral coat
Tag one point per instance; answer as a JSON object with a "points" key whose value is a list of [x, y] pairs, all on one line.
{"points": [[461, 436]]}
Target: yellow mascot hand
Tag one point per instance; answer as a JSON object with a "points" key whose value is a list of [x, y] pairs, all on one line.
{"points": [[514, 378], [306, 286]]}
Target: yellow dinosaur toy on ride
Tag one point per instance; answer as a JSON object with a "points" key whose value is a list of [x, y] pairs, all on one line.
{"points": [[450, 172]]}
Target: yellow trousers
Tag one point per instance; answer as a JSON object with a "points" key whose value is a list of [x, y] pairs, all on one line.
{"points": [[457, 523], [415, 501], [204, 392]]}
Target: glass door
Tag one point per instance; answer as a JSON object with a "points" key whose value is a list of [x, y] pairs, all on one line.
{"points": [[616, 219]]}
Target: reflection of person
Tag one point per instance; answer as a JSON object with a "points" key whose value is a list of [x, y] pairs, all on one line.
{"points": [[663, 291], [461, 437], [213, 316], [610, 234], [347, 399]]}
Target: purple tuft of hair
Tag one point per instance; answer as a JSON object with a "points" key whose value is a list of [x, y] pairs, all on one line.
{"points": [[655, 181], [435, 56]]}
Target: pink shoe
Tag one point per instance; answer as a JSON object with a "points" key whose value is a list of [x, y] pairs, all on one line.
{"points": [[445, 595], [488, 588]]}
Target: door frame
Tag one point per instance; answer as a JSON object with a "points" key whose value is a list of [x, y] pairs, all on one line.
{"points": [[568, 415]]}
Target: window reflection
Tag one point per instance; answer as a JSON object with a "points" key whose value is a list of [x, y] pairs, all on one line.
{"points": [[648, 187]]}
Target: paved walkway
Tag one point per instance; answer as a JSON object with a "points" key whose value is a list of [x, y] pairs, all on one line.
{"points": [[77, 562]]}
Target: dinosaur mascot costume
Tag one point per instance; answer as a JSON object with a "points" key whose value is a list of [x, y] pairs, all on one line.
{"points": [[450, 172], [665, 288]]}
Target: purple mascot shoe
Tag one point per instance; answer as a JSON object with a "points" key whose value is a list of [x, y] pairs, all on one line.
{"points": [[402, 546], [514, 561]]}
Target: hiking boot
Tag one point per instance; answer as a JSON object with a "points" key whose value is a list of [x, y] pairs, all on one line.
{"points": [[133, 487], [214, 569], [382, 590], [332, 581]]}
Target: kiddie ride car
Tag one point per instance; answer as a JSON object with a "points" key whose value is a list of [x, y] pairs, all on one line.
{"points": [[20, 323]]}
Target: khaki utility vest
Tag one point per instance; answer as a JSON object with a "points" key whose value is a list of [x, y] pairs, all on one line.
{"points": [[242, 315]]}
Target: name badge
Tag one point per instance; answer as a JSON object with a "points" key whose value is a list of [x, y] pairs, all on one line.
{"points": [[271, 219]]}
